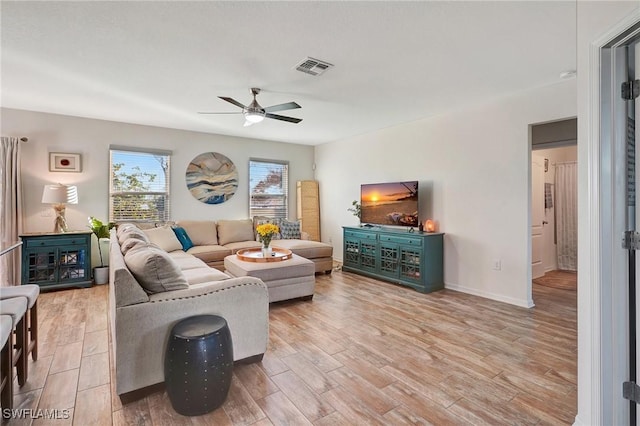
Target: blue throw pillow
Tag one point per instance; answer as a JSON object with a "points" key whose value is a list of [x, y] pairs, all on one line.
{"points": [[183, 237]]}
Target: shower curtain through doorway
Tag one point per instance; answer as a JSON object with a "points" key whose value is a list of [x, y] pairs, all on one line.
{"points": [[567, 215]]}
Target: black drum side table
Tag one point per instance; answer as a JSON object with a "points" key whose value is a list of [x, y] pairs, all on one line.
{"points": [[198, 364]]}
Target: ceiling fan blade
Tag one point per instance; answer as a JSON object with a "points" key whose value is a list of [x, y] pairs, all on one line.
{"points": [[232, 101], [282, 107], [206, 112], [283, 118]]}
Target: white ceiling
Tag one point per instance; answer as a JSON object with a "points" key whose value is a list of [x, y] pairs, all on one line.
{"points": [[159, 63]]}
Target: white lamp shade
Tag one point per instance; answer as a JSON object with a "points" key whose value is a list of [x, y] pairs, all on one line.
{"points": [[60, 194]]}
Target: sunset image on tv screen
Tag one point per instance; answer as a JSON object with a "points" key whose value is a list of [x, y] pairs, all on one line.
{"points": [[394, 203]]}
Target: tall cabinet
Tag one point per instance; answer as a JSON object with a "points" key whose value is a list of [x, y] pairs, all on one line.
{"points": [[414, 259], [308, 197]]}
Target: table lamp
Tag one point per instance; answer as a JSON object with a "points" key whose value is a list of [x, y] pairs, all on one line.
{"points": [[59, 195]]}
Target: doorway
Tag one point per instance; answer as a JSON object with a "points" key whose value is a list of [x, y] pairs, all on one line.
{"points": [[554, 204]]}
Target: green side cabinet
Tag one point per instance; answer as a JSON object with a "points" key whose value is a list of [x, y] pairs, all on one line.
{"points": [[57, 260], [414, 259]]}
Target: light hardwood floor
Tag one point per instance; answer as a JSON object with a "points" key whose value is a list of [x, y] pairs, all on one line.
{"points": [[362, 352]]}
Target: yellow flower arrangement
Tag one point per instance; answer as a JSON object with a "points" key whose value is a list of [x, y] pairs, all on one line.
{"points": [[266, 231]]}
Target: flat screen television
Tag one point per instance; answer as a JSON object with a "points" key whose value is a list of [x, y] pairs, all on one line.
{"points": [[391, 203]]}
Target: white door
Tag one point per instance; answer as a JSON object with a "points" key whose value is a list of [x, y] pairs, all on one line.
{"points": [[537, 214]]}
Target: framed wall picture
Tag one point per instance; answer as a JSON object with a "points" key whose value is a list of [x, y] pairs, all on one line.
{"points": [[64, 162]]}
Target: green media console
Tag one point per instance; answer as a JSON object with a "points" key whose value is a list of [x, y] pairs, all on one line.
{"points": [[414, 259], [57, 260]]}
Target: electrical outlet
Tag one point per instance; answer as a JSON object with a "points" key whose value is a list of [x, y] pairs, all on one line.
{"points": [[45, 213], [497, 265]]}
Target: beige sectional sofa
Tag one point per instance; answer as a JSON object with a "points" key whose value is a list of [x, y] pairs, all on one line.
{"points": [[154, 283]]}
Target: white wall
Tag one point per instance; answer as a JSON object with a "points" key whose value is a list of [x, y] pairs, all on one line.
{"points": [[555, 156], [91, 138], [474, 178]]}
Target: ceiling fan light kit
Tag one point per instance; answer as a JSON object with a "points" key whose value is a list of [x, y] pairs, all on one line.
{"points": [[254, 113]]}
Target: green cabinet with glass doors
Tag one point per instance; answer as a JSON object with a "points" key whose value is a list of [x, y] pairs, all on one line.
{"points": [[414, 259], [54, 261]]}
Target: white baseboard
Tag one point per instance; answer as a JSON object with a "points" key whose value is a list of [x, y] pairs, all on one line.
{"points": [[488, 295]]}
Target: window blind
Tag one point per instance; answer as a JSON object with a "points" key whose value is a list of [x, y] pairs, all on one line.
{"points": [[139, 185], [268, 188]]}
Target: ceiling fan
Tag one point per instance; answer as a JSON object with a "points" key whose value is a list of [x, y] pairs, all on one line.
{"points": [[254, 113]]}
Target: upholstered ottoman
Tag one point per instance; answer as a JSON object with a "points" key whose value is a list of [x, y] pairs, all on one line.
{"points": [[289, 279]]}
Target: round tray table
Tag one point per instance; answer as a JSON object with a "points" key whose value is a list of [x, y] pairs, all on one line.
{"points": [[255, 255]]}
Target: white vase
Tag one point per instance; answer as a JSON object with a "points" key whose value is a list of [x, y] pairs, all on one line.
{"points": [[101, 275], [266, 251]]}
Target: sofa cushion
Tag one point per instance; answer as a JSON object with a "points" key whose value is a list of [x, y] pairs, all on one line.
{"points": [[164, 237], [183, 237], [289, 230], [130, 243], [201, 232], [189, 262], [305, 248], [231, 231], [209, 253], [122, 227], [203, 275], [132, 232], [240, 245], [154, 269]]}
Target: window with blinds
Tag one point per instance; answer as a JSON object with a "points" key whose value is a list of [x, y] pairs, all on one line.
{"points": [[268, 188], [139, 185]]}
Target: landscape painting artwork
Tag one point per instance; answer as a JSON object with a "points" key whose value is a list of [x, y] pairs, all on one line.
{"points": [[212, 178]]}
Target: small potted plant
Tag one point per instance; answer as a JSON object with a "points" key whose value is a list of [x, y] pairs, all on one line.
{"points": [[356, 209], [101, 231]]}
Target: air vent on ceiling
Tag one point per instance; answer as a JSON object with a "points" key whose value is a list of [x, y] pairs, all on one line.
{"points": [[313, 66]]}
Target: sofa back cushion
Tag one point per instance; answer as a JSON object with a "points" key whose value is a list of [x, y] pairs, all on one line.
{"points": [[233, 231], [164, 237], [130, 243], [201, 232], [127, 291], [122, 227], [131, 232], [154, 269]]}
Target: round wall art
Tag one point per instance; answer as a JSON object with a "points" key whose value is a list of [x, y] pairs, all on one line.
{"points": [[212, 178]]}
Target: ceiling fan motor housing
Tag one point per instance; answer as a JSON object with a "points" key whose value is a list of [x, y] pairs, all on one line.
{"points": [[254, 112]]}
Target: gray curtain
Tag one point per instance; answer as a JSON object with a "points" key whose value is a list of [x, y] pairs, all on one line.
{"points": [[567, 215], [10, 209]]}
